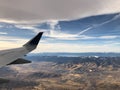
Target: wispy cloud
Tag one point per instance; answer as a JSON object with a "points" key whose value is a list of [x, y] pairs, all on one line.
{"points": [[30, 27], [99, 25], [55, 34], [62, 47], [58, 34], [66, 47], [7, 42], [85, 30], [55, 31], [3, 33], [108, 21], [108, 37]]}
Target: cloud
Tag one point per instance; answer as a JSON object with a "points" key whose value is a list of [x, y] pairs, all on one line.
{"points": [[55, 33], [3, 33], [63, 47], [85, 30], [58, 34], [1, 26], [44, 46], [30, 27], [62, 35], [7, 42], [108, 21], [35, 11], [76, 47], [99, 25], [108, 37]]}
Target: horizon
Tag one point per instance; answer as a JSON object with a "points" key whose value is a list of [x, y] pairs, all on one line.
{"points": [[68, 54]]}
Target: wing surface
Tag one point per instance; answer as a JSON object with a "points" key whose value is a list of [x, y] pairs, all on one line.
{"points": [[12, 56]]}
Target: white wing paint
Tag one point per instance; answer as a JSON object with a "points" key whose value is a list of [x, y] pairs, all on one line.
{"points": [[13, 56]]}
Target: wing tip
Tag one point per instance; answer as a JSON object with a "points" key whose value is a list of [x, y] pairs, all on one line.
{"points": [[34, 41]]}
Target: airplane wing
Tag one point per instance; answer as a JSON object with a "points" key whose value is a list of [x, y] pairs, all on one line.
{"points": [[20, 61], [13, 56]]}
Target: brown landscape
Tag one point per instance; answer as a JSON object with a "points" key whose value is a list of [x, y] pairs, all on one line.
{"points": [[63, 73]]}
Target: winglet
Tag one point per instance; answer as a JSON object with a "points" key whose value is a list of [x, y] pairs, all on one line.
{"points": [[32, 44]]}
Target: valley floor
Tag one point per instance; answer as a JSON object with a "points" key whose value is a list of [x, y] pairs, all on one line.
{"points": [[70, 75]]}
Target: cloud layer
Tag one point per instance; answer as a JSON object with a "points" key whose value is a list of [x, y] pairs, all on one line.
{"points": [[91, 34], [45, 10]]}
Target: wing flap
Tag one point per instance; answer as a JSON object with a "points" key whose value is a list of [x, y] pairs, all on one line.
{"points": [[20, 61]]}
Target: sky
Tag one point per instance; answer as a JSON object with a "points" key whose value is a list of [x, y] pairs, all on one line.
{"points": [[68, 25]]}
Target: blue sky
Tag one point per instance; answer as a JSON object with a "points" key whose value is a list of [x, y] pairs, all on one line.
{"points": [[99, 33], [70, 28]]}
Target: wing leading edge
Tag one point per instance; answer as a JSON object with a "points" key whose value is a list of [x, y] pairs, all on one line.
{"points": [[13, 56]]}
